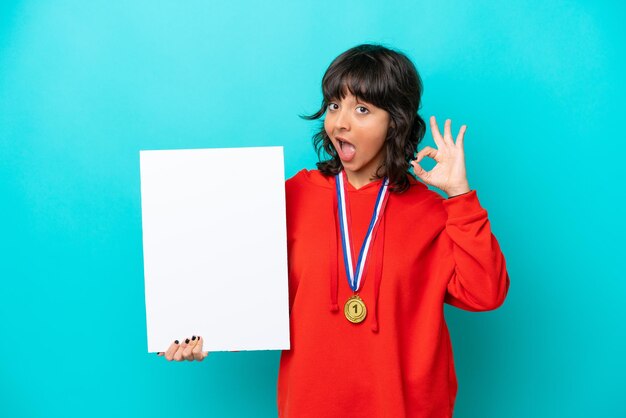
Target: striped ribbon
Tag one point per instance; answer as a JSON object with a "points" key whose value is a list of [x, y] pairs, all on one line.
{"points": [[354, 280]]}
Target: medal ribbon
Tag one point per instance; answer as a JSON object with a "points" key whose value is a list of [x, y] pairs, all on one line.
{"points": [[354, 278]]}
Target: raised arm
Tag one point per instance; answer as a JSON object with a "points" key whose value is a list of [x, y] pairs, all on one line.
{"points": [[480, 281]]}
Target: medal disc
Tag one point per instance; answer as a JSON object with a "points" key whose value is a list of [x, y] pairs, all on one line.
{"points": [[355, 309]]}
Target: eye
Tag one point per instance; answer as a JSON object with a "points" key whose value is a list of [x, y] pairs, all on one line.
{"points": [[365, 110], [330, 106]]}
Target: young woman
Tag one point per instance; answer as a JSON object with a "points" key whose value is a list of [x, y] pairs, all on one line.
{"points": [[374, 254]]}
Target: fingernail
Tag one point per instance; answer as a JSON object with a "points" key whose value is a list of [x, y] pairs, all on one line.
{"points": [[193, 338], [187, 341], [176, 342]]}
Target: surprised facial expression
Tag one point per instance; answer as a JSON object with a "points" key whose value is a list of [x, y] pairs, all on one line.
{"points": [[357, 130]]}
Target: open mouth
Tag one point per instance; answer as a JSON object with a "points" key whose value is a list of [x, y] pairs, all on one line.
{"points": [[346, 150]]}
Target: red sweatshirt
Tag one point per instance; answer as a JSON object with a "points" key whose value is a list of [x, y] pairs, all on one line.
{"points": [[398, 362]]}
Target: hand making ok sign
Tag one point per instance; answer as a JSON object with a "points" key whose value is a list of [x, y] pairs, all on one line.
{"points": [[449, 173]]}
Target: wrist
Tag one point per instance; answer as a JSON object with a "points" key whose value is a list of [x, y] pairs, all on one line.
{"points": [[458, 191]]}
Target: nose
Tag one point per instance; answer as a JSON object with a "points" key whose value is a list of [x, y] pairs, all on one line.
{"points": [[343, 118]]}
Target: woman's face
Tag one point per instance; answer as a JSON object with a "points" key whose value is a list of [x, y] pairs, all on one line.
{"points": [[357, 131]]}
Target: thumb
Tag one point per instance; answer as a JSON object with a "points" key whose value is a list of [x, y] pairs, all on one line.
{"points": [[419, 171]]}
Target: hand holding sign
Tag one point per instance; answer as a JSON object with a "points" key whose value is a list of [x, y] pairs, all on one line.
{"points": [[190, 350]]}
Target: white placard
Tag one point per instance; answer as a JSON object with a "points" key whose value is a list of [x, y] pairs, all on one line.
{"points": [[215, 247]]}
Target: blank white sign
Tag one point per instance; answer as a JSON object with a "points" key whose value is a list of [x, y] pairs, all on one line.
{"points": [[215, 247]]}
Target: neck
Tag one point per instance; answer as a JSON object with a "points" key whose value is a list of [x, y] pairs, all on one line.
{"points": [[358, 180]]}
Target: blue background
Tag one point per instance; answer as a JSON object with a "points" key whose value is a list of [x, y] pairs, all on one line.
{"points": [[85, 85]]}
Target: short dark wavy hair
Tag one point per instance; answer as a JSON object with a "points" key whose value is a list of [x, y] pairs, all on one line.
{"points": [[389, 80]]}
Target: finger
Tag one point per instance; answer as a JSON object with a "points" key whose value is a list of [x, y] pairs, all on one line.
{"points": [[178, 356], [460, 136], [169, 354], [198, 354], [433, 127], [447, 132], [419, 171], [434, 130], [188, 351], [427, 151]]}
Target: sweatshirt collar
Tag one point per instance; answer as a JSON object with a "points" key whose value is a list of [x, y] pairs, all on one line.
{"points": [[317, 178]]}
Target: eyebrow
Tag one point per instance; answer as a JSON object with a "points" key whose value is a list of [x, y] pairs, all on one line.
{"points": [[333, 99]]}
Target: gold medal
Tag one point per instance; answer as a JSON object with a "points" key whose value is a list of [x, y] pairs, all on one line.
{"points": [[355, 309]]}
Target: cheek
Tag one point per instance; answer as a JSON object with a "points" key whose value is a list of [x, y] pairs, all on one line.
{"points": [[382, 133], [378, 143], [328, 127], [379, 133]]}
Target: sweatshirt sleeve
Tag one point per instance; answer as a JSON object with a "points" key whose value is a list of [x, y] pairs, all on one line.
{"points": [[479, 281]]}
